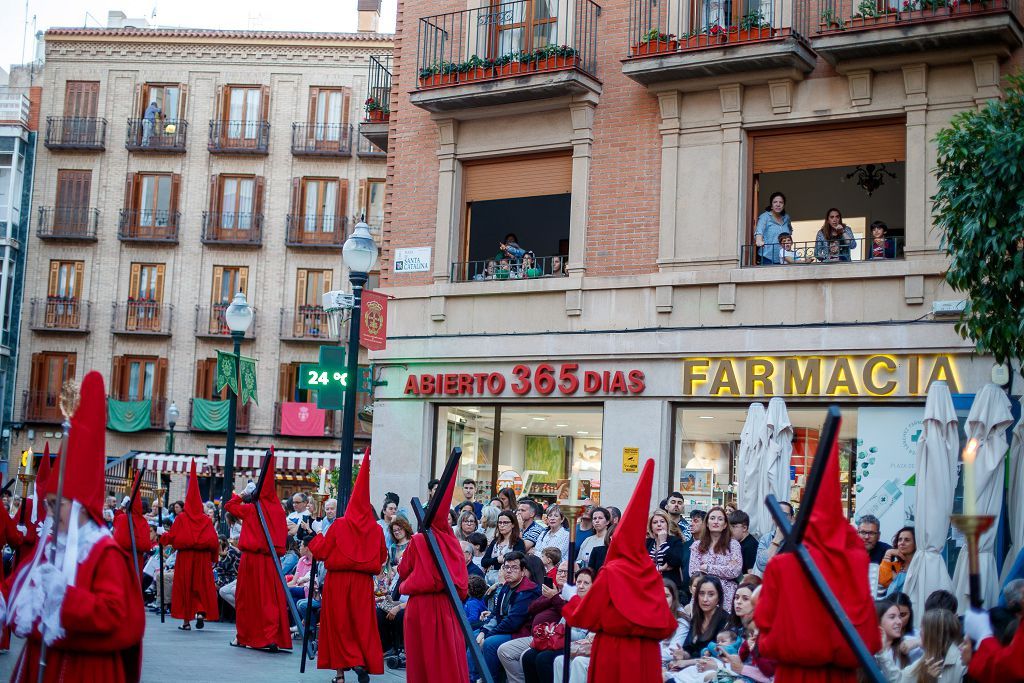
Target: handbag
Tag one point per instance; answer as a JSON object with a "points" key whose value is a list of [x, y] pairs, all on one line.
{"points": [[548, 636]]}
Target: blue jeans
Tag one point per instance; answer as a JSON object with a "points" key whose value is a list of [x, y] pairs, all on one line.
{"points": [[288, 563], [303, 605], [490, 648]]}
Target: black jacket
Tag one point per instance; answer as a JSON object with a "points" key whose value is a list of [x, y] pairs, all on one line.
{"points": [[490, 562], [674, 559]]}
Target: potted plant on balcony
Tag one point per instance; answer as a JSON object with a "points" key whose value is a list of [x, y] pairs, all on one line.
{"points": [[474, 69], [438, 73], [654, 42], [555, 57], [868, 14], [753, 26], [712, 34], [513, 63], [375, 111], [830, 21]]}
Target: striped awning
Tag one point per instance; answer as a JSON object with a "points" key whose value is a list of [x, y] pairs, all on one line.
{"points": [[169, 462], [287, 459]]}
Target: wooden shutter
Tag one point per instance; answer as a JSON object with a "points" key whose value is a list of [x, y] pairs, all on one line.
{"points": [[79, 279], [264, 103], [119, 378], [300, 287], [512, 177], [51, 289], [182, 99], [328, 275], [160, 283], [159, 381], [175, 192], [314, 93], [296, 202], [133, 280], [204, 377], [218, 283], [346, 104], [286, 382], [341, 202], [214, 198], [81, 98], [829, 147], [243, 280], [71, 360], [221, 106], [131, 188], [73, 189], [139, 109], [258, 190], [38, 376]]}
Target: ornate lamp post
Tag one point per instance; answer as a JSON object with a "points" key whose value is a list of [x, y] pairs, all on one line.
{"points": [[238, 316]]}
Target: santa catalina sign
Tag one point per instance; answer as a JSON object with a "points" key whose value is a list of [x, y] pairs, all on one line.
{"points": [[879, 376]]}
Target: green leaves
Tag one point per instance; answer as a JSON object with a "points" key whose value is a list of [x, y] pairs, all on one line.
{"points": [[979, 207]]}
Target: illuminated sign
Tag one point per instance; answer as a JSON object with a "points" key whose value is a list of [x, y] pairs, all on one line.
{"points": [[545, 379], [877, 376]]}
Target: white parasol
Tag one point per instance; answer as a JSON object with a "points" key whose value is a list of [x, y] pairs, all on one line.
{"points": [[752, 466], [780, 449], [937, 449], [1015, 507], [988, 421]]}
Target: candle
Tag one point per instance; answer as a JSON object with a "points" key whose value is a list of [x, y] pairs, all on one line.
{"points": [[970, 493], [29, 461], [574, 485], [323, 480]]}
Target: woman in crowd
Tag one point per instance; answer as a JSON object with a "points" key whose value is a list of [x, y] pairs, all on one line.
{"points": [[401, 533], [555, 535], [743, 608], [601, 520], [673, 643], [892, 572], [835, 239], [298, 585], [890, 658], [507, 498], [467, 525], [770, 224], [665, 546], [687, 609], [941, 642], [911, 644], [488, 521], [717, 553], [709, 619], [600, 552], [539, 666], [388, 512], [177, 508], [506, 540]]}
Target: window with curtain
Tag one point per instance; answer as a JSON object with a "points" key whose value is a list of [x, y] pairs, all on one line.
{"points": [[155, 200], [319, 204], [244, 113], [330, 113], [237, 202], [141, 372]]}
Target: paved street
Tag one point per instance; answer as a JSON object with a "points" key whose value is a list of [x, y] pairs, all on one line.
{"points": [[173, 656]]}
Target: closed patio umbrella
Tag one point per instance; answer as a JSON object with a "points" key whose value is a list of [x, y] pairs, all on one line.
{"points": [[987, 422], [937, 449], [1015, 507], [752, 465], [780, 448]]}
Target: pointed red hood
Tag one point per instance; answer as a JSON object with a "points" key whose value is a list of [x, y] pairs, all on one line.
{"points": [[268, 495], [137, 503], [192, 528], [440, 522], [359, 536], [193, 501], [86, 454], [271, 506]]}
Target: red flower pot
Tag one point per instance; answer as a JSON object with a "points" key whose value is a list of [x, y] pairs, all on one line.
{"points": [[655, 47]]}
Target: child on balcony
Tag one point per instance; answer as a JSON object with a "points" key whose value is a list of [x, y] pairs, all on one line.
{"points": [[786, 252]]}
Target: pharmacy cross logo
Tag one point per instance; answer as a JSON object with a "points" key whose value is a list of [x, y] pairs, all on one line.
{"points": [[373, 318]]}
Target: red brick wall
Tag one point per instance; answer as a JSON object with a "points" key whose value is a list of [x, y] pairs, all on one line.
{"points": [[35, 97]]}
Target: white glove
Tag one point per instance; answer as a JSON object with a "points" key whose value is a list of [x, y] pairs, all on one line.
{"points": [[249, 489], [21, 528], [53, 582], [160, 531], [126, 501], [977, 626]]}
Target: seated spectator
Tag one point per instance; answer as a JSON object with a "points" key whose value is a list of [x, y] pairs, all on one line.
{"points": [[542, 666], [488, 520], [835, 239], [599, 553], [787, 254], [504, 269], [467, 525], [770, 224], [551, 557], [291, 555], [892, 572], [867, 528], [475, 604], [555, 535], [687, 609], [506, 541], [401, 532], [388, 512], [880, 246], [508, 619], [390, 617], [709, 619], [298, 584], [547, 609], [471, 566], [600, 519], [665, 546], [480, 543], [674, 642]]}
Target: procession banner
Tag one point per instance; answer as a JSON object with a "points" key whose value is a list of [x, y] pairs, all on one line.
{"points": [[227, 373], [247, 373], [128, 416], [373, 327]]}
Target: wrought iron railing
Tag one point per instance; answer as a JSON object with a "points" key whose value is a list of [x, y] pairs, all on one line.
{"points": [[330, 421], [148, 135], [67, 223], [59, 314], [210, 322], [316, 230], [824, 251], [509, 39], [239, 137], [41, 406], [322, 139], [833, 16], [148, 225], [75, 132], [305, 322], [377, 106], [526, 268], [141, 317], [223, 227]]}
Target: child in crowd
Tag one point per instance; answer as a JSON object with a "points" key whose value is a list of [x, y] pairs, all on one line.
{"points": [[786, 252], [551, 557], [715, 661], [725, 642], [475, 603]]}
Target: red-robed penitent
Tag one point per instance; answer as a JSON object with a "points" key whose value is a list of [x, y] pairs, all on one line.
{"points": [[353, 551], [434, 644], [193, 537], [796, 629], [626, 606], [101, 614], [993, 663], [261, 608], [123, 536]]}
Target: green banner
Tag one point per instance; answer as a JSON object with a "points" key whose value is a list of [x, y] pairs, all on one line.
{"points": [[227, 373], [209, 416], [128, 416], [247, 373]]}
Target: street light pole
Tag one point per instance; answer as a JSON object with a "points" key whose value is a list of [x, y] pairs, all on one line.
{"points": [[238, 317], [359, 255]]}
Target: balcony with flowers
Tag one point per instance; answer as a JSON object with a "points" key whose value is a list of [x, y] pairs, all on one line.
{"points": [[374, 126], [512, 52]]}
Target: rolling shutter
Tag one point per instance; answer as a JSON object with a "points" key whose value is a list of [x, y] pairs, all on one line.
{"points": [[828, 147], [514, 177]]}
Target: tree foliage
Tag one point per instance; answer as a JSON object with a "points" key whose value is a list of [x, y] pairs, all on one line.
{"points": [[979, 207]]}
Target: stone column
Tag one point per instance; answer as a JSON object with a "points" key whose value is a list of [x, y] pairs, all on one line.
{"points": [[449, 199]]}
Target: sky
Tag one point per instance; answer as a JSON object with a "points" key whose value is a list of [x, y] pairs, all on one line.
{"points": [[290, 15]]}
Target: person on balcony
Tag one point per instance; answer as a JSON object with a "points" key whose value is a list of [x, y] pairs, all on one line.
{"points": [[149, 122], [787, 254], [880, 247], [770, 224], [835, 239], [509, 249]]}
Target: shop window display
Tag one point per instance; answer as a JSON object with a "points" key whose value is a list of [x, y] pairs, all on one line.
{"points": [[533, 450]]}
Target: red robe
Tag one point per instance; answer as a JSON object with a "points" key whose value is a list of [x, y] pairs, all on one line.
{"points": [[9, 535], [993, 663], [24, 544], [143, 544], [349, 636], [193, 591], [104, 621], [261, 608]]}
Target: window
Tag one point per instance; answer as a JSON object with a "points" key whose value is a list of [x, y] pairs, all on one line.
{"points": [[152, 203], [524, 26], [206, 373], [81, 99], [145, 297], [63, 307], [236, 202], [72, 210], [530, 449], [169, 97], [244, 110], [50, 370], [139, 378], [371, 194], [328, 111], [310, 318], [227, 281], [319, 207]]}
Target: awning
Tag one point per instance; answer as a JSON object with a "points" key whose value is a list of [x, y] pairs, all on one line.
{"points": [[287, 459], [169, 462]]}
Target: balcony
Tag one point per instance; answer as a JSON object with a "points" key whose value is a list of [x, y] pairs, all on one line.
{"points": [[860, 250], [367, 150], [148, 226], [59, 314], [210, 323], [331, 421], [378, 102], [483, 271], [167, 137], [320, 231], [76, 133], [68, 223], [514, 52], [876, 29], [15, 107], [146, 318], [196, 423], [306, 323], [233, 229], [239, 137], [322, 139], [687, 39], [41, 406]]}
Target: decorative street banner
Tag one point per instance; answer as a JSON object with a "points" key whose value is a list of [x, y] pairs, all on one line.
{"points": [[373, 328], [210, 416], [128, 416], [227, 373], [302, 419], [886, 457], [247, 372]]}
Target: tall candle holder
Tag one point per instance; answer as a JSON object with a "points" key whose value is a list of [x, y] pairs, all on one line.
{"points": [[319, 500], [972, 527]]}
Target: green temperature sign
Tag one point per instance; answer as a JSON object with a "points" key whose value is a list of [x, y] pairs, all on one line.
{"points": [[329, 378]]}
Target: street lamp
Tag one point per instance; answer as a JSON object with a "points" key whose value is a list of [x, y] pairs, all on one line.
{"points": [[171, 416], [359, 255], [238, 316]]}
